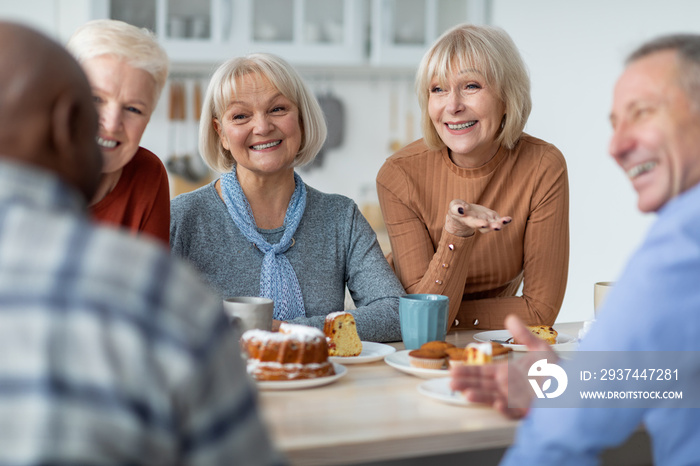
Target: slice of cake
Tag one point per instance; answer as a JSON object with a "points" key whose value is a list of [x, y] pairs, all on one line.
{"points": [[543, 332], [476, 354], [484, 353], [341, 333]]}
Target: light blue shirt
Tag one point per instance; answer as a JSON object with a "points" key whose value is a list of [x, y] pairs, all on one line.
{"points": [[654, 306]]}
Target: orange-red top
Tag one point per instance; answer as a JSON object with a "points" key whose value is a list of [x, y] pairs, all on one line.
{"points": [[140, 202]]}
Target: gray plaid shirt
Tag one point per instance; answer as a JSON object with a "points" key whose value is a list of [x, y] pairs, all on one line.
{"points": [[111, 352]]}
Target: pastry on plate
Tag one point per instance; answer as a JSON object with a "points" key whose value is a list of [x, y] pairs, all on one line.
{"points": [[437, 345], [295, 352], [543, 332], [477, 354], [341, 334], [427, 358]]}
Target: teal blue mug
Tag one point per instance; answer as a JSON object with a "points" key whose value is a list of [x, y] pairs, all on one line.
{"points": [[423, 318]]}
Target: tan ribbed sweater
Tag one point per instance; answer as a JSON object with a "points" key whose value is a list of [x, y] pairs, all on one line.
{"points": [[482, 273]]}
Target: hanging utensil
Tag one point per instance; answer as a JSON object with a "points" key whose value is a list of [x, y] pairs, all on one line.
{"points": [[195, 171], [409, 114], [394, 142], [176, 114], [197, 92]]}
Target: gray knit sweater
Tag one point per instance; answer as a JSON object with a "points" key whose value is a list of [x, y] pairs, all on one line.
{"points": [[334, 247]]}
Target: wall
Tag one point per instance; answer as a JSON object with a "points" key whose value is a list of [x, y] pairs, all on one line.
{"points": [[58, 18], [574, 51]]}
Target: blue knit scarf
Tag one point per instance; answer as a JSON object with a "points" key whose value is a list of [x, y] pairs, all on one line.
{"points": [[277, 278]]}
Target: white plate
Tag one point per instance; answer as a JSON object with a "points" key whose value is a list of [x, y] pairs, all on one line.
{"points": [[399, 360], [371, 352], [340, 371], [564, 341], [439, 389]]}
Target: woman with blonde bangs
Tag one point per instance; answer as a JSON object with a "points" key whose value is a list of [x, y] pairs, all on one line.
{"points": [[127, 70], [259, 230], [478, 207]]}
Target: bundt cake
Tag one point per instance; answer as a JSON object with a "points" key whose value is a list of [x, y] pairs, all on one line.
{"points": [[341, 334], [295, 352]]}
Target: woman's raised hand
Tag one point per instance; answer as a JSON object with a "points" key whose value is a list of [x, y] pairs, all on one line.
{"points": [[464, 219]]}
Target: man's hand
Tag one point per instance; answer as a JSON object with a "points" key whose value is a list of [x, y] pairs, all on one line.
{"points": [[489, 384]]}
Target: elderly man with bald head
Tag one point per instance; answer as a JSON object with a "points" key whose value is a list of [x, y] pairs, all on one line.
{"points": [[111, 352]]}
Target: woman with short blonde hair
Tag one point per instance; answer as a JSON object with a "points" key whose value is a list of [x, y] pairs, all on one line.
{"points": [[259, 230], [478, 207], [127, 69], [492, 51], [222, 87]]}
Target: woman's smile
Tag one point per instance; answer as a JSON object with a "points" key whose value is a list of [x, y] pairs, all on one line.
{"points": [[460, 126]]}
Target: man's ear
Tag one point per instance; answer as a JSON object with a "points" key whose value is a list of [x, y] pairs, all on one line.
{"points": [[64, 125], [75, 156]]}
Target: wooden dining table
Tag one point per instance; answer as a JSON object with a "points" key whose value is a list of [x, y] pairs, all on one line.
{"points": [[375, 414]]}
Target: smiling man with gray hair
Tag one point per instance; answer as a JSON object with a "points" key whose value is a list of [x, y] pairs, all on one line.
{"points": [[654, 308]]}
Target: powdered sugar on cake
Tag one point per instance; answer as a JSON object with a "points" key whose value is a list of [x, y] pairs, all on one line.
{"points": [[295, 352]]}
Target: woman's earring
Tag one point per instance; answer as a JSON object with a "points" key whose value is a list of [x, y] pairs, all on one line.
{"points": [[503, 122]]}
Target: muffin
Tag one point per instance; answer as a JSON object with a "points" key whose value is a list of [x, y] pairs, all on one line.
{"points": [[437, 345], [456, 356], [427, 358]]}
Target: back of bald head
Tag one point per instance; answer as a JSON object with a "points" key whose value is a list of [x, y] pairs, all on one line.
{"points": [[47, 118]]}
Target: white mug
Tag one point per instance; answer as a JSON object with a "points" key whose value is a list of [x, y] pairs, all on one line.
{"points": [[251, 311], [600, 291]]}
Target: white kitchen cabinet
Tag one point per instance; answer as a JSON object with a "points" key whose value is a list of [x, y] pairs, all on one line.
{"points": [[305, 32], [308, 32], [403, 30]]}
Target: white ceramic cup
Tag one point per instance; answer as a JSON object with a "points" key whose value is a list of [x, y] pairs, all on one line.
{"points": [[251, 311], [600, 291]]}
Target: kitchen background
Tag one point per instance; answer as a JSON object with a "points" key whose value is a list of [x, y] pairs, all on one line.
{"points": [[359, 56]]}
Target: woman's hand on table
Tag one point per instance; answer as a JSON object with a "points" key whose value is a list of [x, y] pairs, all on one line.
{"points": [[463, 219], [488, 384]]}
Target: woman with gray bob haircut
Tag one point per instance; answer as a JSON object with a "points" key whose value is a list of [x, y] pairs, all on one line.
{"points": [[478, 207], [127, 69], [223, 86], [259, 230]]}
